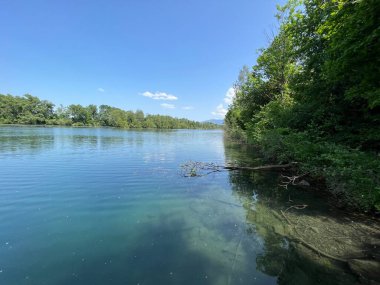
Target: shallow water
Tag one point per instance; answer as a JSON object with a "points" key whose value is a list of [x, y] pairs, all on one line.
{"points": [[107, 206]]}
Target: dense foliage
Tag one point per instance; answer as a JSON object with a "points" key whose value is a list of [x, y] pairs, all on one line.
{"points": [[314, 96], [31, 110]]}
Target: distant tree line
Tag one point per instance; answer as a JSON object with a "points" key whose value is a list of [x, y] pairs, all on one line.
{"points": [[31, 110]]}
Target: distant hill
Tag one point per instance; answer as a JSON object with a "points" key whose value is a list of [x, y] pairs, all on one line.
{"points": [[215, 121]]}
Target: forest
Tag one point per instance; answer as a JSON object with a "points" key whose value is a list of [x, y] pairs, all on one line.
{"points": [[31, 110], [313, 97]]}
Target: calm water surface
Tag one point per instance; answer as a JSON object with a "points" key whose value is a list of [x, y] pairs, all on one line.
{"points": [[106, 206]]}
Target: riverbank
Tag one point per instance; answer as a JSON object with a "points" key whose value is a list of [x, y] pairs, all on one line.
{"points": [[350, 176]]}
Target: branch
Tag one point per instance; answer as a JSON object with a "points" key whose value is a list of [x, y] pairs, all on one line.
{"points": [[198, 169], [298, 238], [286, 180], [263, 167]]}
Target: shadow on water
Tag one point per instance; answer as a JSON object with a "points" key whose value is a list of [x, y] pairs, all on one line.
{"points": [[284, 256], [158, 254]]}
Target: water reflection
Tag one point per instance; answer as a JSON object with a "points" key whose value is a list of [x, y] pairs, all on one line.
{"points": [[262, 200], [17, 140], [33, 140]]}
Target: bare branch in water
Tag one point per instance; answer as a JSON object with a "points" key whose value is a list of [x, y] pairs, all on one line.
{"points": [[293, 180], [198, 169]]}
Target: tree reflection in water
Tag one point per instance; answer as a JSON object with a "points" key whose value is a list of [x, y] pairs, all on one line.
{"points": [[262, 200]]}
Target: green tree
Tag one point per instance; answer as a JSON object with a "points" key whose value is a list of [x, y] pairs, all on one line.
{"points": [[314, 96]]}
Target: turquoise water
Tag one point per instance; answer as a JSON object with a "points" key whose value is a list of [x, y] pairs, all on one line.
{"points": [[107, 206]]}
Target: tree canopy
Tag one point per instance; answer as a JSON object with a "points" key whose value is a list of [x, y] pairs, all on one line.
{"points": [[314, 94]]}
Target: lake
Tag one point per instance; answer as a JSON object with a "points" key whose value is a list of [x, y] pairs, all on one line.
{"points": [[108, 206]]}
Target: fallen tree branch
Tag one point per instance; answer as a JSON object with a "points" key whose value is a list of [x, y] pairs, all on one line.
{"points": [[263, 167], [297, 207], [197, 169], [286, 218], [292, 180], [298, 238], [319, 251]]}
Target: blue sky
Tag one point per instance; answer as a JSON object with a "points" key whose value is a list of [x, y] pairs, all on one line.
{"points": [[170, 57]]}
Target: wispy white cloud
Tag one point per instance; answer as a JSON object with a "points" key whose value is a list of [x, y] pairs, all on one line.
{"points": [[159, 96], [101, 90], [220, 111], [230, 95], [167, 106], [188, 108]]}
